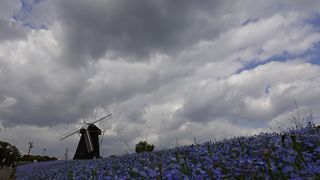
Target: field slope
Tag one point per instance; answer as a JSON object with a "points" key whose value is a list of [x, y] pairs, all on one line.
{"points": [[286, 155]]}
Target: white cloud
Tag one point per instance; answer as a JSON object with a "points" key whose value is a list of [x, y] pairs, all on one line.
{"points": [[258, 41], [7, 103], [242, 96], [188, 87]]}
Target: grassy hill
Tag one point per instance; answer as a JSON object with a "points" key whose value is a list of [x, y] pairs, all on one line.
{"points": [[291, 154]]}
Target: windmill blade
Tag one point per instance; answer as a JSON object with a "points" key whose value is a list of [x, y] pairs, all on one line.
{"points": [[69, 135], [101, 137], [63, 136], [109, 115], [71, 131], [127, 144], [88, 141]]}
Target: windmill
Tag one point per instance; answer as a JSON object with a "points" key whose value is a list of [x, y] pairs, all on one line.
{"points": [[88, 147]]}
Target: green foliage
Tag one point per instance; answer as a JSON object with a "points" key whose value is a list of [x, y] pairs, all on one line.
{"points": [[37, 158], [9, 154], [143, 146], [70, 174]]}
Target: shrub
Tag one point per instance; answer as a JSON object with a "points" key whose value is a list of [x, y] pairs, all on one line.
{"points": [[37, 158], [143, 146]]}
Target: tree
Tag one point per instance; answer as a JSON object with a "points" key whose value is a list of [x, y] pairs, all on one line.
{"points": [[9, 154], [143, 146]]}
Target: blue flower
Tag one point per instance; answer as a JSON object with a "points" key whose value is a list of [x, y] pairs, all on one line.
{"points": [[229, 158]]}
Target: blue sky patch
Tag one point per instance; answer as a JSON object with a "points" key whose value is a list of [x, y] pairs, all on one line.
{"points": [[315, 54], [249, 21], [26, 8], [314, 20], [267, 89], [255, 62], [312, 54]]}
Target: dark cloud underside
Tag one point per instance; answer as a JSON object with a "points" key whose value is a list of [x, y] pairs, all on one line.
{"points": [[135, 29]]}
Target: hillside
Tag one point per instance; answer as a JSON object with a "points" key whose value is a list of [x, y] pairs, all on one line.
{"points": [[291, 154]]}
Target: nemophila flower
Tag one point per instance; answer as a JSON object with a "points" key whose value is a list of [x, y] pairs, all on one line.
{"points": [[317, 149], [289, 159], [287, 169], [253, 157]]}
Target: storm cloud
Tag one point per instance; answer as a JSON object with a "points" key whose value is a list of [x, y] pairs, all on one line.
{"points": [[135, 30], [169, 71]]}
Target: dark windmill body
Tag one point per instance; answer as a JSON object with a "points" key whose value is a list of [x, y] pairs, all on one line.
{"points": [[89, 145]]}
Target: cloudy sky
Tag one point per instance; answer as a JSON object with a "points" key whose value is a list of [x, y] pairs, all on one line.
{"points": [[168, 70]]}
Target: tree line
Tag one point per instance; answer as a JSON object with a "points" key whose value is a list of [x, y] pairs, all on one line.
{"points": [[10, 156]]}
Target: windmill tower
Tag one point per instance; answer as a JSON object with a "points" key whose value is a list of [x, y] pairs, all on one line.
{"points": [[88, 147]]}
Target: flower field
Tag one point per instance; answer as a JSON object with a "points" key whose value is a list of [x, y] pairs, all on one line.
{"points": [[292, 154]]}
